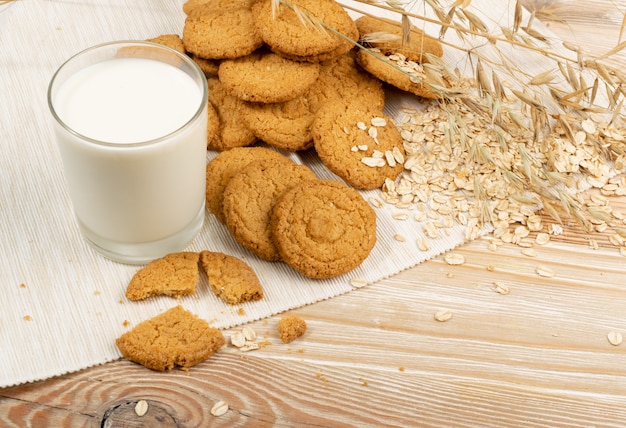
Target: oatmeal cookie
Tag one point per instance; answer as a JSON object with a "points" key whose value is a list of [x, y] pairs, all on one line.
{"points": [[221, 33], [232, 130], [387, 70], [208, 66], [249, 197], [266, 77], [171, 40], [286, 125], [224, 166], [418, 44], [175, 338], [230, 278], [343, 79], [175, 275], [349, 137], [323, 228], [286, 33]]}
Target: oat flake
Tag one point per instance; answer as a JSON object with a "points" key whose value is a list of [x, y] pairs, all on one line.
{"points": [[141, 408], [454, 259], [219, 408], [615, 338], [545, 272], [443, 315]]}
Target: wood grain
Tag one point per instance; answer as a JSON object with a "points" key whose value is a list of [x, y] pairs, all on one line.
{"points": [[535, 357]]}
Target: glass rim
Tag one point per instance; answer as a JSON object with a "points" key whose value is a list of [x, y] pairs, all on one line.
{"points": [[130, 42]]}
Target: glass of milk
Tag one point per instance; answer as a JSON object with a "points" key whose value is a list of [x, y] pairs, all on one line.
{"points": [[130, 120]]}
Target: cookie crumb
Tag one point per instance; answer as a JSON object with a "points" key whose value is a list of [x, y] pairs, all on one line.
{"points": [[291, 327]]}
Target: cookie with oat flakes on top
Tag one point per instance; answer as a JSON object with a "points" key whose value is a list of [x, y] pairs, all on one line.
{"points": [[387, 70], [358, 143], [419, 44]]}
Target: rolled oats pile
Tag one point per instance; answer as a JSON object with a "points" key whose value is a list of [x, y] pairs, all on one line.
{"points": [[463, 169]]}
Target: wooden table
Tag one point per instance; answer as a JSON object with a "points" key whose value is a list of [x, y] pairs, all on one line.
{"points": [[538, 356]]}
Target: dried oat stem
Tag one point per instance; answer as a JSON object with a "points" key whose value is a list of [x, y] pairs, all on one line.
{"points": [[514, 142]]}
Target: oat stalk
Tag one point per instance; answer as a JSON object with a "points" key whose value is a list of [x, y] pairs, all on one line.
{"points": [[530, 141]]}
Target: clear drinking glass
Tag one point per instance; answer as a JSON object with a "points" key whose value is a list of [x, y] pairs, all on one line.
{"points": [[130, 119]]}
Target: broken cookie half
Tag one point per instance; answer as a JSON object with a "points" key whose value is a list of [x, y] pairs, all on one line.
{"points": [[175, 338], [178, 274]]}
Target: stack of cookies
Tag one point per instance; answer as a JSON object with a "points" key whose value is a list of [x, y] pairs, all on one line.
{"points": [[281, 211], [288, 74]]}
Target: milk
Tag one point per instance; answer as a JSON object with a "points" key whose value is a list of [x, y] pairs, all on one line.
{"points": [[132, 136]]}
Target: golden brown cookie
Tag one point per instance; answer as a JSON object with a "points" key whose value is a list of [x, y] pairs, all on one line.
{"points": [[359, 144], [323, 228], [221, 33], [286, 125], [344, 47], [327, 56], [266, 77], [408, 76], [175, 338], [172, 40], [231, 279], [342, 79], [213, 126], [249, 197], [232, 130], [174, 275], [285, 32], [291, 327], [418, 44], [208, 66], [196, 6], [224, 166]]}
